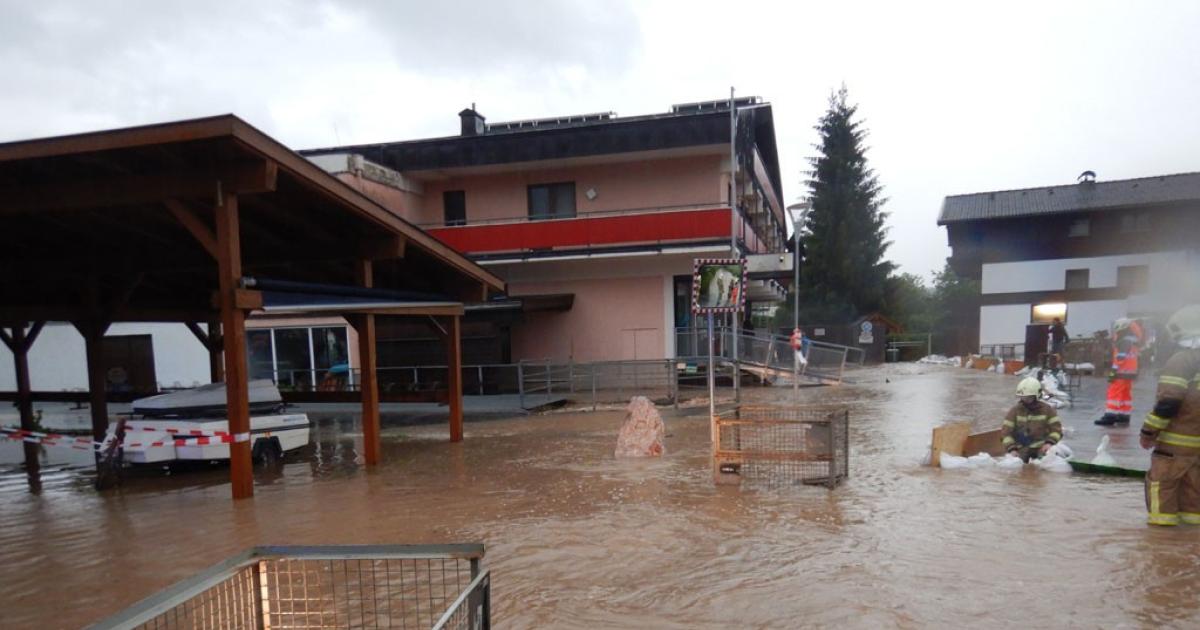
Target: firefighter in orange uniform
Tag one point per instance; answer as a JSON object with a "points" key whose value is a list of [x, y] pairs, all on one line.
{"points": [[1126, 347], [1173, 429]]}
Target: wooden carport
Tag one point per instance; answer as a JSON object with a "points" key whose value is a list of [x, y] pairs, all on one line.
{"points": [[162, 223]]}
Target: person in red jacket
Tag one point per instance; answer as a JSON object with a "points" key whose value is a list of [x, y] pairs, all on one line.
{"points": [[799, 345]]}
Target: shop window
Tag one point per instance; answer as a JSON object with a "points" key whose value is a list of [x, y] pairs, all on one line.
{"points": [[454, 207], [552, 201], [260, 353], [1077, 279], [1134, 278], [300, 358], [293, 358], [331, 357]]}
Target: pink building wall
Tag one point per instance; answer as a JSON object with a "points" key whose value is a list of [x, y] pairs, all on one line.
{"points": [[621, 186], [612, 319]]}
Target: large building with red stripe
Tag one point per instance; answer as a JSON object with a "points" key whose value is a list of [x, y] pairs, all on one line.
{"points": [[592, 220]]}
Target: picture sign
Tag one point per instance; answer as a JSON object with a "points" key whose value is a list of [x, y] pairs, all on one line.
{"points": [[718, 285]]}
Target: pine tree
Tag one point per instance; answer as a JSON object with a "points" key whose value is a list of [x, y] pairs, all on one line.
{"points": [[845, 273]]}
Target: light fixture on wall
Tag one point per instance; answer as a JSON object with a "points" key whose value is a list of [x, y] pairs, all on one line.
{"points": [[591, 194], [1047, 313]]}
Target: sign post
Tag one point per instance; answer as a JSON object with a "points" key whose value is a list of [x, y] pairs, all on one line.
{"points": [[718, 286]]}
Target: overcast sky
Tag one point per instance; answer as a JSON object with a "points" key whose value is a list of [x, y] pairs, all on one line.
{"points": [[958, 96]]}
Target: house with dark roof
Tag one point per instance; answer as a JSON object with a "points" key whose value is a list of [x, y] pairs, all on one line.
{"points": [[593, 220], [1086, 253]]}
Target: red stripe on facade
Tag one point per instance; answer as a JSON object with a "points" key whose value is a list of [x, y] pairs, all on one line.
{"points": [[587, 231]]}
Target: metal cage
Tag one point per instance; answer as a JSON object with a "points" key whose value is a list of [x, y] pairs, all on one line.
{"points": [[782, 444], [376, 586]]}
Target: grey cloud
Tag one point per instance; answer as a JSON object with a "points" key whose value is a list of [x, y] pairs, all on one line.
{"points": [[533, 35]]}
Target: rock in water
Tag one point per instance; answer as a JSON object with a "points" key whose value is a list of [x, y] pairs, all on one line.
{"points": [[642, 433]]}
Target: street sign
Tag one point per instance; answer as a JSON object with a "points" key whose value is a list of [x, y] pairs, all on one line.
{"points": [[718, 285]]}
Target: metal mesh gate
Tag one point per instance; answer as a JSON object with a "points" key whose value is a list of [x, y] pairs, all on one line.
{"points": [[391, 586], [779, 445]]}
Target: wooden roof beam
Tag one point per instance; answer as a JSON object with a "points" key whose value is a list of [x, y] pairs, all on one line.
{"points": [[194, 224], [242, 178], [389, 248], [17, 314]]}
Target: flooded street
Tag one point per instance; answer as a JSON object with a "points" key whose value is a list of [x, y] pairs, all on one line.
{"points": [[577, 539]]}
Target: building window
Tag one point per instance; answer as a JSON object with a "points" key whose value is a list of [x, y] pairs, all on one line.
{"points": [[1080, 227], [1047, 313], [552, 201], [1077, 279], [1135, 222], [454, 207], [1135, 278]]}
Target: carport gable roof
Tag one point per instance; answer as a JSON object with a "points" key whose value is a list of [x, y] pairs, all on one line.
{"points": [[1084, 196], [107, 190]]}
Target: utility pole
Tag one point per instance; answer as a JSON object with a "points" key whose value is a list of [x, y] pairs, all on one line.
{"points": [[799, 211], [735, 316]]}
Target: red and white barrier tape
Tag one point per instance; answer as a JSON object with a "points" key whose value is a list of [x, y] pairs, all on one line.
{"points": [[175, 431], [84, 443], [36, 437]]}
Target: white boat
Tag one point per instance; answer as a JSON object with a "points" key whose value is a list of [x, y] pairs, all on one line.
{"points": [[181, 426], [207, 401]]}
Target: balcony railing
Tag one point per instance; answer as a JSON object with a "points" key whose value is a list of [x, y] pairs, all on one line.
{"points": [[594, 229], [525, 218]]}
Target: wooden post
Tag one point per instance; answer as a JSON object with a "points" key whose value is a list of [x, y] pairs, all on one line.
{"points": [[93, 344], [454, 376], [233, 326], [368, 381], [19, 343], [216, 365]]}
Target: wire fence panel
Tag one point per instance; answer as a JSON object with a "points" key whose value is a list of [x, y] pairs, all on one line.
{"points": [[397, 593], [472, 609], [230, 605], [326, 587], [782, 445]]}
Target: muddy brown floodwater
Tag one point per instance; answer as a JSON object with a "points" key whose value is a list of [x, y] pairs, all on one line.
{"points": [[577, 539]]}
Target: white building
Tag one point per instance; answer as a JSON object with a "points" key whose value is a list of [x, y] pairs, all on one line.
{"points": [[1087, 253]]}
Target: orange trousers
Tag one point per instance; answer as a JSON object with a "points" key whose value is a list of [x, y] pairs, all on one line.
{"points": [[1120, 397]]}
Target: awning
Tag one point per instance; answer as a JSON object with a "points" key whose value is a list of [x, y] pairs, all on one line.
{"points": [[526, 303], [281, 297]]}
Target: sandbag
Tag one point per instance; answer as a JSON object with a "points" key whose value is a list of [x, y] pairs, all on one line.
{"points": [[981, 460], [1053, 463], [1103, 457], [952, 462], [1010, 462]]}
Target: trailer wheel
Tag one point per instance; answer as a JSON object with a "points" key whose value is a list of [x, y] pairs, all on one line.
{"points": [[267, 450]]}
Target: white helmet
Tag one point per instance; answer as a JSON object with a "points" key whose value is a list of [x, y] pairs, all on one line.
{"points": [[1029, 386], [1184, 326]]}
